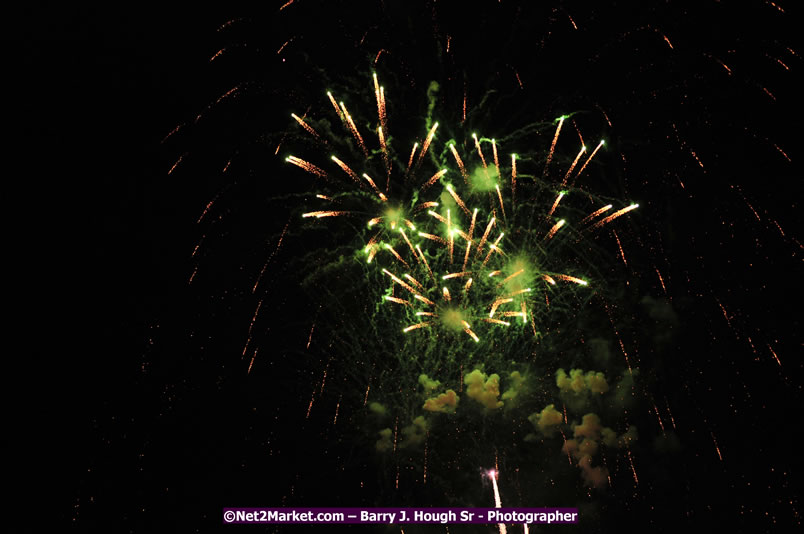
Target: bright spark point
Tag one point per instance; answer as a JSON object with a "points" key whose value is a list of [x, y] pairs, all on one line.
{"points": [[458, 200], [432, 237], [592, 155], [415, 326], [319, 214], [497, 501], [426, 144], [353, 128], [459, 161], [554, 229], [553, 145], [479, 151], [613, 216], [424, 299], [415, 282], [485, 236], [412, 152], [468, 330], [307, 166], [520, 271], [497, 304], [572, 279], [347, 169], [437, 176], [596, 213], [555, 204], [374, 187]]}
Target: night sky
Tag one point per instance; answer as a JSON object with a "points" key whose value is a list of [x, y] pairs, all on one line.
{"points": [[165, 171]]}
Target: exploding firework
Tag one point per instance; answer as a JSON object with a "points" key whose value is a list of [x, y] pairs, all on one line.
{"points": [[383, 295], [480, 260], [453, 260]]}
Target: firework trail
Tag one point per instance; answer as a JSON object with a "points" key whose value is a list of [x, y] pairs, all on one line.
{"points": [[497, 500]]}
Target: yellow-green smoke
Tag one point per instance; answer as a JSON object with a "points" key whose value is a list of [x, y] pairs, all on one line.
{"points": [[588, 435], [578, 382], [428, 384], [547, 420], [484, 390], [415, 433], [516, 387], [444, 403], [377, 408]]}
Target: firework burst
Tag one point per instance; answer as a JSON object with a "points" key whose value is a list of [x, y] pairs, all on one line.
{"points": [[450, 263], [397, 285], [468, 266]]}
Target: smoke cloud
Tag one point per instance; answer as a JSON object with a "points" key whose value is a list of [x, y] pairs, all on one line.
{"points": [[484, 390]]}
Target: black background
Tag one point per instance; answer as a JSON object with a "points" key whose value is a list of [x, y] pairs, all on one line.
{"points": [[145, 439]]}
